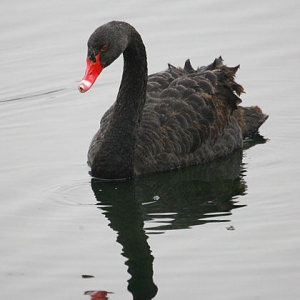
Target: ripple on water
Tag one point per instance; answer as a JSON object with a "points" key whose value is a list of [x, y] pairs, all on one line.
{"points": [[75, 193]]}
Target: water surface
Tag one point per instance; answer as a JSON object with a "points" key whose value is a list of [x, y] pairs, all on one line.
{"points": [[229, 230]]}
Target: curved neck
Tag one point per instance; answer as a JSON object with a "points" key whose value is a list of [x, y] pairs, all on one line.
{"points": [[132, 92], [119, 139]]}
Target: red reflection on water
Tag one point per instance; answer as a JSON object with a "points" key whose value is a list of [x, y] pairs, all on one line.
{"points": [[97, 295]]}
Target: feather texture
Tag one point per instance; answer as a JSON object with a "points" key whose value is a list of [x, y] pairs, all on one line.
{"points": [[169, 120]]}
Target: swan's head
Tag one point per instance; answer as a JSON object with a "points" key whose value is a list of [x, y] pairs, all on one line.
{"points": [[104, 46]]}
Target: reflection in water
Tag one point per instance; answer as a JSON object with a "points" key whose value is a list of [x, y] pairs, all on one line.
{"points": [[126, 218], [193, 196], [97, 295], [175, 200]]}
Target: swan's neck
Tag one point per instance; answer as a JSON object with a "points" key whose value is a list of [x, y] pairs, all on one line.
{"points": [[132, 93], [115, 157]]}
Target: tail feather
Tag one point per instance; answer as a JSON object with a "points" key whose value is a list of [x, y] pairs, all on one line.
{"points": [[250, 119], [223, 79]]}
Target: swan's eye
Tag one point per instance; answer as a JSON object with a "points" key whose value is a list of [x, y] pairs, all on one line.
{"points": [[104, 48]]}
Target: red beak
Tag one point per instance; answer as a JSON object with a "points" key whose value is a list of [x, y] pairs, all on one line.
{"points": [[93, 69]]}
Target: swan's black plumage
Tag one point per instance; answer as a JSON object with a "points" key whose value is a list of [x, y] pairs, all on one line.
{"points": [[169, 120]]}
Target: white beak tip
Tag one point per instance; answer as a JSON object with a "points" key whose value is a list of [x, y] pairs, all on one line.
{"points": [[84, 86]]}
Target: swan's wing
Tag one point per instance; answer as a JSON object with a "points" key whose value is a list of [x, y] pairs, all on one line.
{"points": [[187, 117]]}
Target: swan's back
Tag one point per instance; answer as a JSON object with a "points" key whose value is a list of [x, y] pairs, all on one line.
{"points": [[191, 117]]}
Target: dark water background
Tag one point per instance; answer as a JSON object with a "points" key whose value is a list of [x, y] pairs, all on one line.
{"points": [[229, 230]]}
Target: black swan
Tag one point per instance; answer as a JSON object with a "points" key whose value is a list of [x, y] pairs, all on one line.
{"points": [[165, 121]]}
